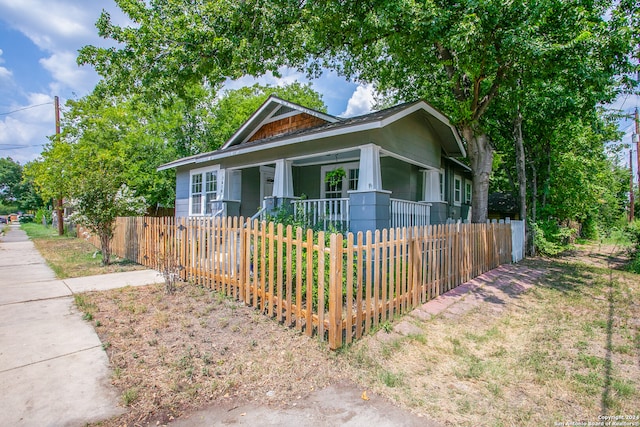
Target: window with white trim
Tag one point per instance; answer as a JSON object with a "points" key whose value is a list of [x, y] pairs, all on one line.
{"points": [[354, 175], [203, 191], [441, 177], [467, 191], [211, 191], [457, 190], [196, 194], [339, 190]]}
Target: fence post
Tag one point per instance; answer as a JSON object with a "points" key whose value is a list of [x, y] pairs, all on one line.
{"points": [[335, 291], [243, 231]]}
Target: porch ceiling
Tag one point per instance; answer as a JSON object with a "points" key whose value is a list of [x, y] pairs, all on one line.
{"points": [[327, 158]]}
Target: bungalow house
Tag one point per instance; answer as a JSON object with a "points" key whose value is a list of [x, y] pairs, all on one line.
{"points": [[391, 168]]}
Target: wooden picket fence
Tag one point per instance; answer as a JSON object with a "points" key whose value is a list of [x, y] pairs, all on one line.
{"points": [[338, 287]]}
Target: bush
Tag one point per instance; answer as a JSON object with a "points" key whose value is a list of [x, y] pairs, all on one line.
{"points": [[633, 233], [551, 239], [43, 213], [589, 229], [25, 219]]}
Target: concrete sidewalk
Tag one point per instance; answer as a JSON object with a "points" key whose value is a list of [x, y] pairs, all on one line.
{"points": [[53, 371]]}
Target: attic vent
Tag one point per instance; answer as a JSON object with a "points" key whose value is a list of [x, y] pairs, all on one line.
{"points": [[282, 110]]}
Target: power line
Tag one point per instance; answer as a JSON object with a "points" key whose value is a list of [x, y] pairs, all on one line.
{"points": [[26, 108]]}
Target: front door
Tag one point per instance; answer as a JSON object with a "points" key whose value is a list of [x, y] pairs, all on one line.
{"points": [[267, 176]]}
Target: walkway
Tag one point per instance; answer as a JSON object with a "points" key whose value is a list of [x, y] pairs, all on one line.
{"points": [[53, 371], [494, 289]]}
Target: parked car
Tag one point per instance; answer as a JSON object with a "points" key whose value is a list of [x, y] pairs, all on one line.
{"points": [[3, 219], [25, 218]]}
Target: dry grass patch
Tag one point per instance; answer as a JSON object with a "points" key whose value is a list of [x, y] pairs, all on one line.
{"points": [[175, 353], [73, 257], [568, 350]]}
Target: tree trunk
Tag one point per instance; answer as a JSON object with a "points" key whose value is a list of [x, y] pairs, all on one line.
{"points": [[520, 165], [547, 182], [480, 153], [105, 246], [534, 193], [60, 213]]}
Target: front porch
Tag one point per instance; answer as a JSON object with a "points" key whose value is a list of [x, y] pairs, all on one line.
{"points": [[335, 214], [361, 189]]}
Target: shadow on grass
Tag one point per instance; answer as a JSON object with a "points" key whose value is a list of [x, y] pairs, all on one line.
{"points": [[574, 280], [606, 392]]}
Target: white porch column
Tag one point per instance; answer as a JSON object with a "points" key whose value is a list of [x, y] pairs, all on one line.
{"points": [[431, 186], [370, 178], [229, 182], [229, 188], [223, 184], [283, 179]]}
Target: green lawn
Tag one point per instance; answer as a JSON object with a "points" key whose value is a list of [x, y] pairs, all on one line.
{"points": [[70, 256]]}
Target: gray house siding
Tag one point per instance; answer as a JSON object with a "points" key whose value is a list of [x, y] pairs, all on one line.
{"points": [[401, 178], [182, 192], [306, 180], [409, 138], [406, 137], [439, 212], [448, 210], [250, 192]]}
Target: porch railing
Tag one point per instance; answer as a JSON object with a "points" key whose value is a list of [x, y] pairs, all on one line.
{"points": [[409, 214], [322, 212], [218, 208]]}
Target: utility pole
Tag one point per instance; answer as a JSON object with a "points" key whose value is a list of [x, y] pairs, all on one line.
{"points": [[632, 201], [636, 139], [60, 211]]}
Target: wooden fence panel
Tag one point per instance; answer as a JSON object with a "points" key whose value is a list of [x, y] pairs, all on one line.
{"points": [[343, 290]]}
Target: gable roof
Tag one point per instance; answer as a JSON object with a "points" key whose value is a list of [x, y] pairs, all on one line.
{"points": [[272, 109], [331, 126]]}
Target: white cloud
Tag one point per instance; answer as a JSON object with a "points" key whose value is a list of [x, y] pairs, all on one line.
{"points": [[58, 28], [23, 133], [361, 102], [5, 73], [67, 73], [51, 23]]}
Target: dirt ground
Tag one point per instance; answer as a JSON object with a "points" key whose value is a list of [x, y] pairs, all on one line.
{"points": [[175, 354]]}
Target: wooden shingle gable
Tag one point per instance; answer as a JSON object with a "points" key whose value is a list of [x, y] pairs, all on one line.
{"points": [[277, 117]]}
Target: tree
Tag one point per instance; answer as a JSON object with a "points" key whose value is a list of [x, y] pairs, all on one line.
{"points": [[96, 206], [172, 46], [10, 178], [90, 163], [458, 56], [16, 190], [49, 174], [462, 56]]}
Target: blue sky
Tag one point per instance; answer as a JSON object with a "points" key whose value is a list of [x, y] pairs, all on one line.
{"points": [[39, 40]]}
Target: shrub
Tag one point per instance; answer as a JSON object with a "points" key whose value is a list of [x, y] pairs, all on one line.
{"points": [[25, 219], [551, 239], [590, 228], [43, 213], [633, 233]]}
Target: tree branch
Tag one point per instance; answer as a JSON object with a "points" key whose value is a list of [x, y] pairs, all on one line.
{"points": [[447, 58], [493, 91]]}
